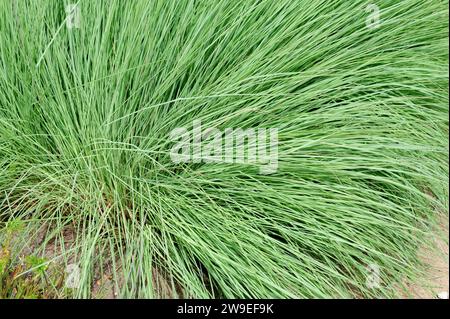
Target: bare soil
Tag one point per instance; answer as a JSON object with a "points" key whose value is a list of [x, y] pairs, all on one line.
{"points": [[437, 261]]}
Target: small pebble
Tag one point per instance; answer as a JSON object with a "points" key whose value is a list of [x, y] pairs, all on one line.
{"points": [[443, 295]]}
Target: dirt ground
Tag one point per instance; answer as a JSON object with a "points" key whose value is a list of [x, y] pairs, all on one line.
{"points": [[438, 273], [435, 282]]}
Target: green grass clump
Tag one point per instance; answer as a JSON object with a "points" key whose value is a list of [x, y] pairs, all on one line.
{"points": [[362, 114]]}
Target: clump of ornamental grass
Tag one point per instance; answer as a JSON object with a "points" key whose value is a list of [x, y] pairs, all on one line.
{"points": [[357, 90]]}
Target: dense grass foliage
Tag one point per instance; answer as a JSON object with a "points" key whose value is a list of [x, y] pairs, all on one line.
{"points": [[362, 113]]}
